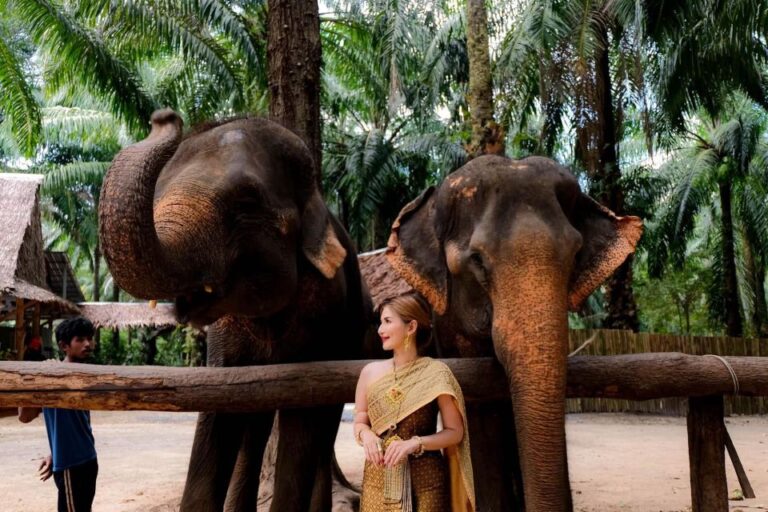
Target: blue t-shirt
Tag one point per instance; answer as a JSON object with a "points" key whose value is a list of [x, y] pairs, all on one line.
{"points": [[70, 437]]}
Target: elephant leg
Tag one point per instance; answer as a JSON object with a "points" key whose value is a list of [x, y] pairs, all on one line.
{"points": [[304, 458], [244, 484], [218, 438], [498, 478]]}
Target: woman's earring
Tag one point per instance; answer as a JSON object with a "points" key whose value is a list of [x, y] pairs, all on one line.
{"points": [[407, 343]]}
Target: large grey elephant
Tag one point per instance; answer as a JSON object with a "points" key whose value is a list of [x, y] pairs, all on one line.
{"points": [[228, 223], [502, 249]]}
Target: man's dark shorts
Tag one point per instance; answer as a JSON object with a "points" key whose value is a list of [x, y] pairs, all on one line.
{"points": [[77, 486]]}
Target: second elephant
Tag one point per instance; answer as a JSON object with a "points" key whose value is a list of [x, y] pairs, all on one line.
{"points": [[503, 249]]}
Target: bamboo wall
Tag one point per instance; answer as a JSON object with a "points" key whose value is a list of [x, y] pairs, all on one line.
{"points": [[613, 342]]}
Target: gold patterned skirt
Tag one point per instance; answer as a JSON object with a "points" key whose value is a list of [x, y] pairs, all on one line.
{"points": [[429, 473]]}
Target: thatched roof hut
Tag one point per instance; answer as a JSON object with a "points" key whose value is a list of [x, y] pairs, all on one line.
{"points": [[61, 278], [24, 294], [22, 264], [119, 315], [382, 280]]}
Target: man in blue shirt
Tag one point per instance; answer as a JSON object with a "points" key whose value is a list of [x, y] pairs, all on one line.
{"points": [[72, 461]]}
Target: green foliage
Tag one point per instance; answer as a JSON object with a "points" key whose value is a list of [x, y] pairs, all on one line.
{"points": [[18, 106], [385, 78], [78, 80], [147, 346], [676, 303]]}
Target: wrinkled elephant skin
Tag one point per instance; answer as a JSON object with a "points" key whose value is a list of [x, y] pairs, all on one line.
{"points": [[502, 249], [228, 223]]}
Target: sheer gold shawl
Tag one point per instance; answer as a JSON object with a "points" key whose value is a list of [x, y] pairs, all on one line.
{"points": [[418, 384]]}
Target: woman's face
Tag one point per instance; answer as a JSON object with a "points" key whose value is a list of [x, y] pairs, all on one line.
{"points": [[393, 329]]}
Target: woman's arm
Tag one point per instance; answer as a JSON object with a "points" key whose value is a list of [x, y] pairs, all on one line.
{"points": [[361, 428], [451, 435]]}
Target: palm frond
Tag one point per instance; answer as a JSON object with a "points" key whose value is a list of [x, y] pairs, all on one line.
{"points": [[18, 102], [68, 177], [84, 58]]}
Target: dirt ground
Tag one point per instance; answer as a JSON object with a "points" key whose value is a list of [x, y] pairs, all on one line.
{"points": [[617, 462]]}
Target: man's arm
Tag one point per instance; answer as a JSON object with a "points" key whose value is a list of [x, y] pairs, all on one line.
{"points": [[27, 414]]}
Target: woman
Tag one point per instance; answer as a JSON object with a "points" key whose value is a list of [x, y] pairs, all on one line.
{"points": [[396, 405]]}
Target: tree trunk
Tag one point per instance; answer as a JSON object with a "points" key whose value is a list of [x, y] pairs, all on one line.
{"points": [[97, 285], [733, 323], [294, 59], [761, 309], [487, 136], [621, 305], [755, 271]]}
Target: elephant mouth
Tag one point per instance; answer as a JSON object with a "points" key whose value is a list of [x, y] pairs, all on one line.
{"points": [[197, 308]]}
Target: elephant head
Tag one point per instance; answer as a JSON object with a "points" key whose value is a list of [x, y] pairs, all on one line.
{"points": [[505, 248], [224, 222]]}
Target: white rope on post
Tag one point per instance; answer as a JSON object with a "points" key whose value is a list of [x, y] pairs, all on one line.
{"points": [[730, 370]]}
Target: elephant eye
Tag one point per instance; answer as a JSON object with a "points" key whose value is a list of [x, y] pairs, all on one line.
{"points": [[477, 259], [477, 264]]}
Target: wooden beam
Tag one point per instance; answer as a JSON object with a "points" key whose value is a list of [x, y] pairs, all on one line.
{"points": [[19, 329], [260, 388], [706, 454], [664, 374]]}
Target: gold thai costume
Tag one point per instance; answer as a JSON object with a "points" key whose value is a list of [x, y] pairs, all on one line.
{"points": [[401, 405]]}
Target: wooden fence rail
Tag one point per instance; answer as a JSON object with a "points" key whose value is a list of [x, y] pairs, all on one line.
{"points": [[255, 388], [628, 377], [615, 342]]}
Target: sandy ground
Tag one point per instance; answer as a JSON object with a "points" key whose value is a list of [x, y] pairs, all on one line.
{"points": [[617, 462]]}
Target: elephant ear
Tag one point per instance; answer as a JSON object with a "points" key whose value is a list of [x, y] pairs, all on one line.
{"points": [[319, 242], [607, 241], [414, 251]]}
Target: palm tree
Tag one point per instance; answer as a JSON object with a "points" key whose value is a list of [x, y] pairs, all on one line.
{"points": [[592, 60], [79, 146], [721, 171], [19, 109], [487, 136], [385, 73]]}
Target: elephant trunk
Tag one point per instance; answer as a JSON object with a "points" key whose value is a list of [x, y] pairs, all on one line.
{"points": [[127, 231], [530, 335]]}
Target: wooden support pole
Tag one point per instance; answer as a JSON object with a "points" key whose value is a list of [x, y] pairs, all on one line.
{"points": [[261, 388], [36, 320], [19, 329], [706, 454], [746, 487]]}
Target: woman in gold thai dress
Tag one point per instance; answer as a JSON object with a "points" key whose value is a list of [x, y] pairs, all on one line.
{"points": [[409, 466]]}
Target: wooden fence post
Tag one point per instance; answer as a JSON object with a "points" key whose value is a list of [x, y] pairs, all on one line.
{"points": [[706, 453]]}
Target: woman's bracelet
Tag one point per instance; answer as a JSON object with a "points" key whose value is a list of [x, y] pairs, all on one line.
{"points": [[420, 451], [358, 435]]}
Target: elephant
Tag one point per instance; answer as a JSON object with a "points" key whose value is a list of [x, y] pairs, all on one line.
{"points": [[228, 222], [502, 249]]}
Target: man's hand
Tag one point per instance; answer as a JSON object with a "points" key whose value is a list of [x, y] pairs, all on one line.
{"points": [[27, 414], [46, 468]]}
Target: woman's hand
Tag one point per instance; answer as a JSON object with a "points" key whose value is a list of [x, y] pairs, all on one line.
{"points": [[398, 451], [373, 446]]}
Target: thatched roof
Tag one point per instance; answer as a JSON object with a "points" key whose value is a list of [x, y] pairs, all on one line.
{"points": [[22, 266], [119, 315], [382, 280], [20, 228], [61, 278]]}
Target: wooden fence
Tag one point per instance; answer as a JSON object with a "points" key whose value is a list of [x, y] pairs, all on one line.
{"points": [[615, 342]]}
